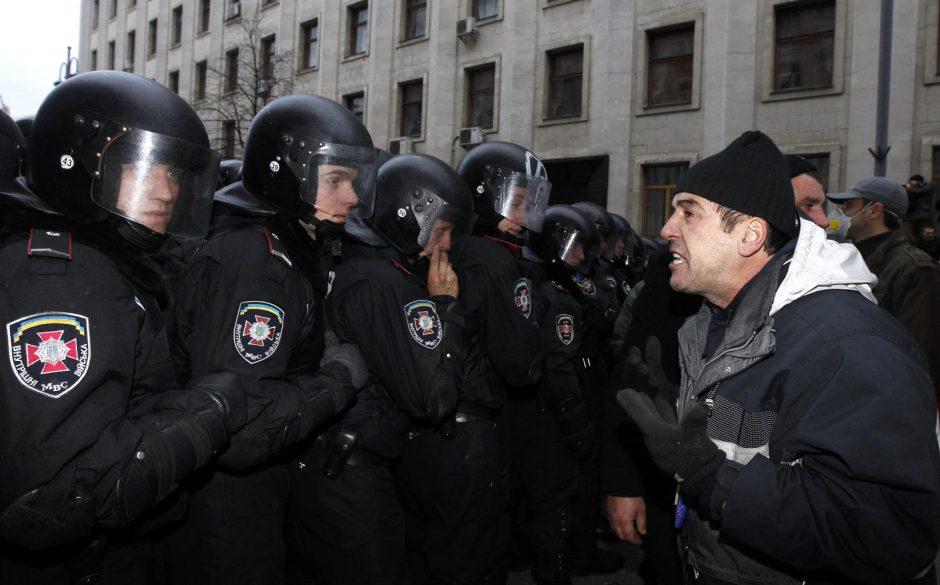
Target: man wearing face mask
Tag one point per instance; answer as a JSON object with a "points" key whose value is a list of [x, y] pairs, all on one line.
{"points": [[908, 278]]}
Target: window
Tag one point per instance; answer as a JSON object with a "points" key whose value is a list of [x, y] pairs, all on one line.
{"points": [[205, 12], [355, 103], [176, 30], [484, 9], [94, 60], [131, 4], [268, 56], [231, 70], [358, 29], [565, 73], [804, 47], [130, 53], [310, 37], [481, 96], [669, 72], [95, 13], [658, 184], [111, 55], [228, 139], [416, 16], [412, 102], [199, 90], [112, 9], [935, 179], [821, 162], [152, 38], [173, 81], [234, 9]]}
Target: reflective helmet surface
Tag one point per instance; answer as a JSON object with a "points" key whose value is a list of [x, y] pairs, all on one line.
{"points": [[12, 149], [299, 148], [109, 142], [417, 196], [230, 171], [604, 222], [623, 243], [507, 181], [568, 238], [26, 125]]}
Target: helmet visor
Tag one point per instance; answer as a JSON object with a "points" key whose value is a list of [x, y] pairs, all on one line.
{"points": [[522, 199], [573, 248], [162, 183], [440, 223], [338, 180]]}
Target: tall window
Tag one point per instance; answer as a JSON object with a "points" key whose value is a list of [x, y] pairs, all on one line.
{"points": [[111, 55], [670, 66], [416, 16], [233, 9], [94, 60], [358, 28], [112, 8], [481, 96], [231, 70], [228, 139], [805, 41], [565, 75], [131, 4], [95, 13], [129, 52], [176, 29], [268, 56], [173, 81], [658, 184], [310, 37], [936, 166], [355, 103], [484, 9], [205, 12], [199, 85], [152, 38], [412, 103]]}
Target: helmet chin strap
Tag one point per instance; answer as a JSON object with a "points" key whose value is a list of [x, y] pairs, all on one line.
{"points": [[326, 229], [138, 236]]}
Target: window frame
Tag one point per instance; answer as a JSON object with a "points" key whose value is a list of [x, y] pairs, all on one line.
{"points": [[153, 28], [931, 16], [173, 81], [473, 10], [176, 26], [800, 39], [546, 81], [200, 80], [204, 22], [408, 11], [346, 99], [130, 50], [831, 149], [470, 92], [268, 57], [305, 43], [652, 35], [402, 105], [352, 27], [230, 80]]}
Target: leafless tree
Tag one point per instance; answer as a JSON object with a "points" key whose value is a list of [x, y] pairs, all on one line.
{"points": [[247, 81]]}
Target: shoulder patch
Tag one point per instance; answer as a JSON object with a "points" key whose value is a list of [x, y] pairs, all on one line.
{"points": [[423, 323], [585, 284], [49, 243], [258, 330], [564, 327], [276, 247], [522, 292], [612, 283], [50, 352]]}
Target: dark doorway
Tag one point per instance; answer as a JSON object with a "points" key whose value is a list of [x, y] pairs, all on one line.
{"points": [[578, 179]]}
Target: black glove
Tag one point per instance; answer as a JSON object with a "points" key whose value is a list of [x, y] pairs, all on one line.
{"points": [[61, 512], [224, 393], [681, 450], [346, 355]]}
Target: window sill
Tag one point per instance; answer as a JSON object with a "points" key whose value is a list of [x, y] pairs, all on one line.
{"points": [[655, 110], [414, 41], [174, 46], [553, 3], [799, 94], [202, 33], [356, 57], [308, 70], [565, 120]]}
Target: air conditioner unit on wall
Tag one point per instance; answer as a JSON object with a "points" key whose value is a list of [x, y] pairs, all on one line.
{"points": [[400, 145], [467, 29], [470, 137]]}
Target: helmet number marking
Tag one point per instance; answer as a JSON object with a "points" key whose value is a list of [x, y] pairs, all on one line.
{"points": [[66, 161]]}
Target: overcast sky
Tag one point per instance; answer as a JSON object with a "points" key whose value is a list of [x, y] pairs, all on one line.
{"points": [[34, 35]]}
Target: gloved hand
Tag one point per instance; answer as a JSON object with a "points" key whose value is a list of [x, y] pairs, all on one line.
{"points": [[223, 393], [681, 450], [346, 355], [59, 513]]}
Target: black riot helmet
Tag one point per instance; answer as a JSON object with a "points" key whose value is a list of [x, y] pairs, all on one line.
{"points": [[507, 182], [606, 230], [230, 171], [12, 149], [623, 241], [25, 124], [311, 158], [109, 143], [421, 202], [568, 239]]}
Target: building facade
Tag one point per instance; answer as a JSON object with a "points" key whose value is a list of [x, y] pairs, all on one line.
{"points": [[617, 96]]}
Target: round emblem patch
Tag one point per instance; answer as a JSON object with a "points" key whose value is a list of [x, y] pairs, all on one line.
{"points": [[521, 292], [585, 284], [50, 352], [258, 329], [564, 327], [423, 323]]}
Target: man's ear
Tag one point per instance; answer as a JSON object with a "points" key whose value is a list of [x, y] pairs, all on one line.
{"points": [[877, 210], [756, 231]]}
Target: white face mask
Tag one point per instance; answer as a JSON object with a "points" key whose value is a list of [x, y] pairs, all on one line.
{"points": [[839, 222]]}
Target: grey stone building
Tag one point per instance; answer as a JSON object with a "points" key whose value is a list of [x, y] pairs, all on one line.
{"points": [[618, 96]]}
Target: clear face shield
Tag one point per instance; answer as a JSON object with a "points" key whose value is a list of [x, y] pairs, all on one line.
{"points": [[573, 250], [337, 180], [522, 199], [440, 223], [162, 183]]}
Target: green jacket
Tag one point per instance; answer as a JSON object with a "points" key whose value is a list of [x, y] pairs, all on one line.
{"points": [[909, 288]]}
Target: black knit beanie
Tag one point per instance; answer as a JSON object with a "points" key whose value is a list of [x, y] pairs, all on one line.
{"points": [[750, 176]]}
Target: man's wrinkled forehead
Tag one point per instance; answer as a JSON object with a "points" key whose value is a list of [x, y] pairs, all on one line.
{"points": [[691, 201]]}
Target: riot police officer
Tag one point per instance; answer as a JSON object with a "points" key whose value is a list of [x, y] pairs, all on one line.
{"points": [[399, 303], [245, 305], [95, 433]]}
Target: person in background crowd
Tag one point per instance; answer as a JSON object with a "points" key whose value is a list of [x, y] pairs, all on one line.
{"points": [[920, 202], [808, 192]]}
